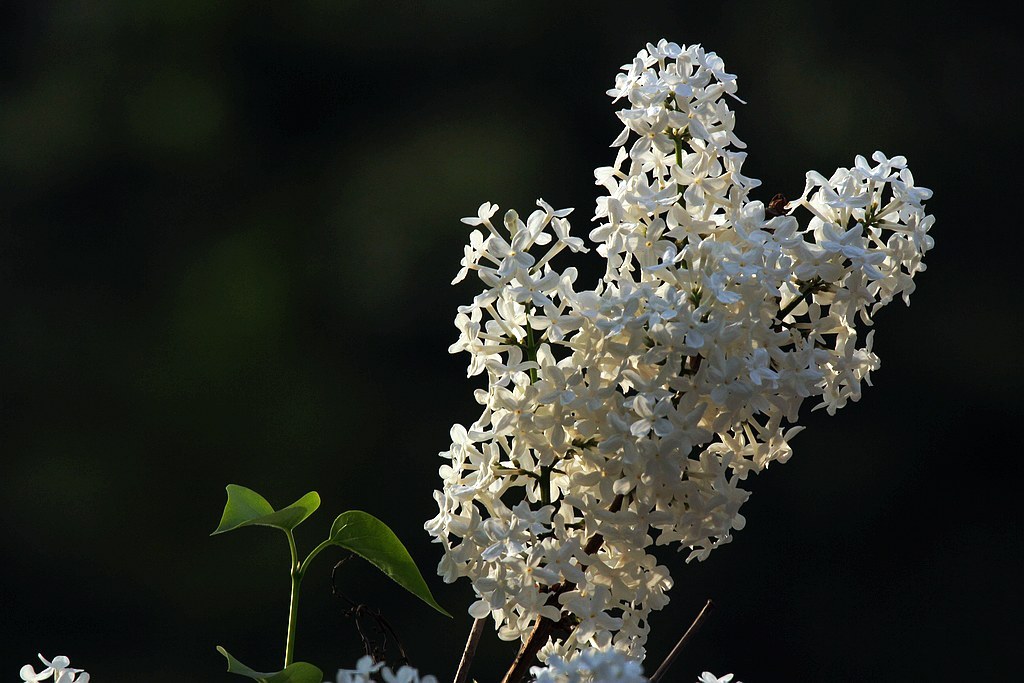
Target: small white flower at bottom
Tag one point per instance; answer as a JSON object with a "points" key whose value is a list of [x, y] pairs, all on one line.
{"points": [[59, 668], [368, 671], [708, 677]]}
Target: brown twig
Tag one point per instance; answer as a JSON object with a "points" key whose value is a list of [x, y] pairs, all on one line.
{"points": [[545, 627], [359, 613], [467, 655], [663, 669]]}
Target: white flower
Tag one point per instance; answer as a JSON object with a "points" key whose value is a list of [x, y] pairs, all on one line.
{"points": [[708, 677], [368, 671], [591, 665], [483, 214], [59, 668], [631, 411]]}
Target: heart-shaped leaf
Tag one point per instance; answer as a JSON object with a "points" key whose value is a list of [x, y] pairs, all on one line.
{"points": [[245, 507], [371, 539], [299, 672]]}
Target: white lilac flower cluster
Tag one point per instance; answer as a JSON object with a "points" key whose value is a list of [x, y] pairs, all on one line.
{"points": [[368, 671], [591, 665], [626, 415], [59, 668]]}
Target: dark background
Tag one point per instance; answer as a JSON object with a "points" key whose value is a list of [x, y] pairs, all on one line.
{"points": [[226, 236]]}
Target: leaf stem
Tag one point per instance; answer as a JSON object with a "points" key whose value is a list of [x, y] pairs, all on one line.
{"points": [[313, 553], [295, 572]]}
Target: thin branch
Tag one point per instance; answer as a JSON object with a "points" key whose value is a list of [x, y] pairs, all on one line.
{"points": [[808, 289], [663, 669], [467, 655], [528, 652], [361, 613], [545, 628]]}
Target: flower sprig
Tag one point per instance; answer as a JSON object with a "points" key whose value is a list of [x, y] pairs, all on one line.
{"points": [[626, 415]]}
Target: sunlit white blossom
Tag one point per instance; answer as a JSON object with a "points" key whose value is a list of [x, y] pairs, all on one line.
{"points": [[628, 414]]}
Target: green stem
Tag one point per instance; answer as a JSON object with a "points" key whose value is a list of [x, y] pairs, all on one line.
{"points": [[313, 553], [293, 605], [545, 472], [807, 290], [531, 350], [678, 139], [545, 485]]}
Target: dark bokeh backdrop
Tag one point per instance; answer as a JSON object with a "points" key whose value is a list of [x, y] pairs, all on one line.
{"points": [[226, 236]]}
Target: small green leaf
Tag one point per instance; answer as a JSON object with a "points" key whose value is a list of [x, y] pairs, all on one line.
{"points": [[371, 539], [299, 672], [245, 507]]}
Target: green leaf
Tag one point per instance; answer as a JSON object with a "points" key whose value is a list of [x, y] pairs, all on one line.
{"points": [[371, 539], [299, 672], [245, 507]]}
